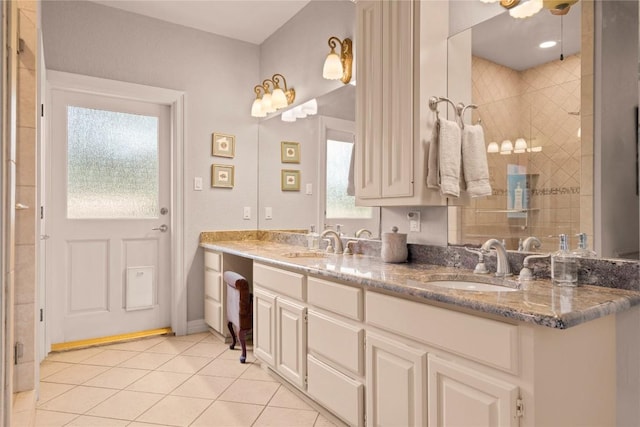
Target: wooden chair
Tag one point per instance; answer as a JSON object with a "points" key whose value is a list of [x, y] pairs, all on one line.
{"points": [[239, 309]]}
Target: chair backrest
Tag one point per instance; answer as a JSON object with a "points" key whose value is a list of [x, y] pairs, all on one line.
{"points": [[239, 300]]}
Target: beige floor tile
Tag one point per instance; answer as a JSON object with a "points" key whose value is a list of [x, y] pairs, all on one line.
{"points": [[110, 357], [285, 398], [125, 405], [50, 390], [256, 372], [78, 400], [86, 421], [49, 368], [175, 411], [228, 414], [203, 386], [22, 418], [206, 349], [159, 382], [118, 378], [74, 356], [224, 368], [213, 339], [235, 354], [286, 417], [250, 391], [76, 374], [52, 418], [138, 345], [191, 337], [147, 360], [171, 346], [185, 364]]}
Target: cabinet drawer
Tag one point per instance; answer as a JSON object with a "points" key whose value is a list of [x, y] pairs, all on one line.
{"points": [[337, 392], [487, 341], [212, 260], [212, 285], [213, 314], [282, 281], [340, 299], [337, 341]]}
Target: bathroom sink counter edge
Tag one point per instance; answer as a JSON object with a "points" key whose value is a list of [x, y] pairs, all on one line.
{"points": [[537, 301]]}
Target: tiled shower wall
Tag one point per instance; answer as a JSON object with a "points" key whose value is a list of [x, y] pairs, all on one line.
{"points": [[541, 105], [25, 237]]}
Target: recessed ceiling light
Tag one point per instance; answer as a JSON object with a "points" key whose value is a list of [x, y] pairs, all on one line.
{"points": [[547, 45]]}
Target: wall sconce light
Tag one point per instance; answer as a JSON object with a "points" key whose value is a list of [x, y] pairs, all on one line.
{"points": [[506, 147], [493, 147], [274, 99], [521, 146], [339, 67], [309, 108], [525, 9]]}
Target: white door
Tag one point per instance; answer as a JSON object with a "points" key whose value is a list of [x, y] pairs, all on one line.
{"points": [[264, 326], [109, 247], [291, 338]]}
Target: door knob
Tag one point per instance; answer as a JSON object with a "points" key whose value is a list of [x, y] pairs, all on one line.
{"points": [[162, 228]]}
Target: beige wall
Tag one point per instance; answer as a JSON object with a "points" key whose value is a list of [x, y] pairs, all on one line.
{"points": [[25, 237], [535, 104]]}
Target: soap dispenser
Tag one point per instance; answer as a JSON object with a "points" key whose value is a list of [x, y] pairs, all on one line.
{"points": [[583, 250], [313, 238], [564, 265]]}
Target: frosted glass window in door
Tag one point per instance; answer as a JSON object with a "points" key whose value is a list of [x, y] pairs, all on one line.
{"points": [[339, 203], [112, 164]]}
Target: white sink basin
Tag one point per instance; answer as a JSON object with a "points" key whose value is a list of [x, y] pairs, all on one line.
{"points": [[462, 285]]}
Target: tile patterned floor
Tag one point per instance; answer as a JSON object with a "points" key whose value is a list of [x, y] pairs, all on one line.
{"points": [[194, 380]]}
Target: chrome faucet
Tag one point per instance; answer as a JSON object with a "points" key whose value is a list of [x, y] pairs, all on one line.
{"points": [[360, 232], [502, 268], [336, 238], [531, 243]]}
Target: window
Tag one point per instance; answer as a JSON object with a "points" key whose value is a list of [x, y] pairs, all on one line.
{"points": [[112, 164]]}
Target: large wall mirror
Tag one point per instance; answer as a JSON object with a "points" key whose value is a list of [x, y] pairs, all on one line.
{"points": [[533, 108], [323, 132]]}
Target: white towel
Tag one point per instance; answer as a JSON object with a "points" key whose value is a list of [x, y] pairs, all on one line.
{"points": [[474, 161], [433, 172], [449, 154]]}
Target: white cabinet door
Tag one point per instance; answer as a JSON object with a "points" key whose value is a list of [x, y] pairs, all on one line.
{"points": [[384, 108], [461, 397], [264, 326], [369, 101], [396, 383], [291, 332]]}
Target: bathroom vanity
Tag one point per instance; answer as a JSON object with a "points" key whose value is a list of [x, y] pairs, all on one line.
{"points": [[380, 344]]}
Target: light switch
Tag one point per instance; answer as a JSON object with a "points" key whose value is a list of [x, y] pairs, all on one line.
{"points": [[246, 214], [268, 213], [309, 189], [414, 221], [197, 183]]}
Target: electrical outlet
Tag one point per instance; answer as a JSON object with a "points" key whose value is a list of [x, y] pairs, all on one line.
{"points": [[268, 213], [197, 183], [246, 214], [414, 221]]}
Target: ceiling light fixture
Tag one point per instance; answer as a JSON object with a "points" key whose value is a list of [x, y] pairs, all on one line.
{"points": [[272, 99], [339, 66], [525, 9], [547, 44]]}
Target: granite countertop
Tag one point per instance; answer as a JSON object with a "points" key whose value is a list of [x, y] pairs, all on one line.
{"points": [[537, 301]]}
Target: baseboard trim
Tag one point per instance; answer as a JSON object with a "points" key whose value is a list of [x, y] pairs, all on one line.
{"points": [[196, 326]]}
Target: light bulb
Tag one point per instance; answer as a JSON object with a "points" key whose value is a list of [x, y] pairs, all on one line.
{"points": [[256, 109], [506, 147], [493, 147], [267, 105], [332, 69], [278, 99], [521, 146]]}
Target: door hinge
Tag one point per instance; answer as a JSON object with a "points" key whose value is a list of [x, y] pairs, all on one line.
{"points": [[306, 380], [41, 212], [41, 110], [519, 408], [41, 315]]}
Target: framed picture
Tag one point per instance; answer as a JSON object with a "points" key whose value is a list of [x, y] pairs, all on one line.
{"points": [[223, 145], [290, 152], [290, 180], [222, 176]]}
